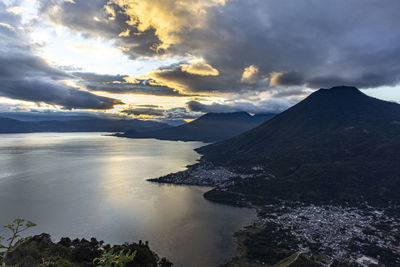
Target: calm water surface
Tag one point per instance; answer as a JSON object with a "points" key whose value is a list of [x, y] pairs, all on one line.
{"points": [[87, 184]]}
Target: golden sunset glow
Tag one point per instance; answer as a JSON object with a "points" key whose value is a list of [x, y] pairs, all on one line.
{"points": [[110, 56], [169, 18], [250, 74], [170, 128], [273, 78], [200, 67]]}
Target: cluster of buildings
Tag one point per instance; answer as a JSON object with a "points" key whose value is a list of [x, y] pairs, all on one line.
{"points": [[338, 231], [201, 175]]}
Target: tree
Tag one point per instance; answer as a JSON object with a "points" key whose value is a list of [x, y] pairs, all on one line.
{"points": [[19, 225]]}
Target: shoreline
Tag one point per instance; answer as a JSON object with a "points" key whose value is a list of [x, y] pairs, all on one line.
{"points": [[207, 175], [293, 229], [200, 174], [166, 215]]}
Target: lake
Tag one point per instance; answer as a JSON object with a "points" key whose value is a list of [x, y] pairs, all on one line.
{"points": [[92, 185]]}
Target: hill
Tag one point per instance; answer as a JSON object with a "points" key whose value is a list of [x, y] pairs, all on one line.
{"points": [[210, 127], [87, 125], [337, 144]]}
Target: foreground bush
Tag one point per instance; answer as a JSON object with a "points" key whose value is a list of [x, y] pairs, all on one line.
{"points": [[39, 250]]}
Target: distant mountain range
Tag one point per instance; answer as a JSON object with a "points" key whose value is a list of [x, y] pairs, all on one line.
{"points": [[85, 125], [210, 127], [337, 144]]}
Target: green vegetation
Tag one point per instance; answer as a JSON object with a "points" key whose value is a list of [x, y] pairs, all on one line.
{"points": [[16, 227], [111, 258], [371, 249], [296, 260], [40, 251], [270, 245], [263, 245], [287, 261]]}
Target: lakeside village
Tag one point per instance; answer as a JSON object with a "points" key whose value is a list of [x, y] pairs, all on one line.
{"points": [[351, 236], [348, 235]]}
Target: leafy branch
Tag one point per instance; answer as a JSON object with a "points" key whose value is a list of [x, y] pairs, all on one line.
{"points": [[19, 225], [115, 259]]}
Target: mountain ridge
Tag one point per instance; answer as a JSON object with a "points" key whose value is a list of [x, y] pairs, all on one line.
{"points": [[310, 122], [8, 125], [337, 143], [210, 127]]}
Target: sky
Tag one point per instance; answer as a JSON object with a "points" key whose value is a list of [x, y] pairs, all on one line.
{"points": [[175, 60]]}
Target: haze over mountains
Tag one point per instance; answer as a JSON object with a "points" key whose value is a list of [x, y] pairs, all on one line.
{"points": [[210, 127], [83, 125], [338, 143]]}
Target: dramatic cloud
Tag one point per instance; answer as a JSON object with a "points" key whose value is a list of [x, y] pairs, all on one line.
{"points": [[173, 115], [140, 27], [150, 110], [34, 114], [123, 84], [17, 65], [239, 54], [54, 93], [28, 78], [199, 67], [254, 45], [250, 74], [285, 78], [24, 76], [267, 106], [181, 113], [187, 82], [194, 83], [105, 19], [169, 18]]}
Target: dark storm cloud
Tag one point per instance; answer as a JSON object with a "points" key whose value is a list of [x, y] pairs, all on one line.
{"points": [[100, 78], [266, 106], [18, 65], [34, 114], [24, 76], [290, 78], [130, 88], [314, 43], [309, 42], [147, 111], [49, 92], [120, 84], [194, 83]]}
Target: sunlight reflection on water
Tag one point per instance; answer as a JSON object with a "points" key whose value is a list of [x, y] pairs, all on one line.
{"points": [[87, 184]]}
